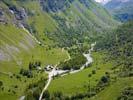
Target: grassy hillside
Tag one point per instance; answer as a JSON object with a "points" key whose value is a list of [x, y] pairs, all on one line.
{"points": [[120, 49], [29, 14], [81, 21], [56, 22], [17, 49], [114, 91]]}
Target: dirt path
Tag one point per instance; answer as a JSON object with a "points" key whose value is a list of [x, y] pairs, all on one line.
{"points": [[50, 75], [55, 72]]}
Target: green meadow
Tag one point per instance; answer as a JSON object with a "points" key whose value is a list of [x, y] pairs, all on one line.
{"points": [[114, 90], [30, 51], [76, 83], [46, 57]]}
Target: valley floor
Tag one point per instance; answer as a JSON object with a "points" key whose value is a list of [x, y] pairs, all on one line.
{"points": [[73, 84]]}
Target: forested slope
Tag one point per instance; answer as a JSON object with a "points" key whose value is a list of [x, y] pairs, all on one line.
{"points": [[120, 46]]}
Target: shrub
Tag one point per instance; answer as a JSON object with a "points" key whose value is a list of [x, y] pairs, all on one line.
{"points": [[89, 75], [46, 95], [27, 73], [36, 93], [16, 86], [1, 83], [74, 63], [126, 94], [29, 95], [104, 79], [93, 71]]}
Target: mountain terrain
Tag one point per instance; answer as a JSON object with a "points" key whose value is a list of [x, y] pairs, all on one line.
{"points": [[120, 46], [40, 37], [26, 25], [121, 9], [111, 71]]}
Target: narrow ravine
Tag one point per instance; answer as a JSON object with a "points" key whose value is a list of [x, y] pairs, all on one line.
{"points": [[55, 71]]}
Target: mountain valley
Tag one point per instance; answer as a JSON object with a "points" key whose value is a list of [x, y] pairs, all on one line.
{"points": [[87, 44]]}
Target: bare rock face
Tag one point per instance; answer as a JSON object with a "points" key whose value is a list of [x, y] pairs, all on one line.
{"points": [[2, 17], [4, 56], [1, 13], [20, 14]]}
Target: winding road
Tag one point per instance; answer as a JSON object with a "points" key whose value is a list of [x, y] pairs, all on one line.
{"points": [[55, 72]]}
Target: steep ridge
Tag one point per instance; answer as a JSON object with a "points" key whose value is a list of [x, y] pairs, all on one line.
{"points": [[16, 42], [77, 20], [61, 20], [52, 23]]}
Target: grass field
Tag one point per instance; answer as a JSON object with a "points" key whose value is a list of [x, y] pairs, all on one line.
{"points": [[36, 53], [21, 48], [114, 90], [47, 57], [75, 83], [10, 83]]}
